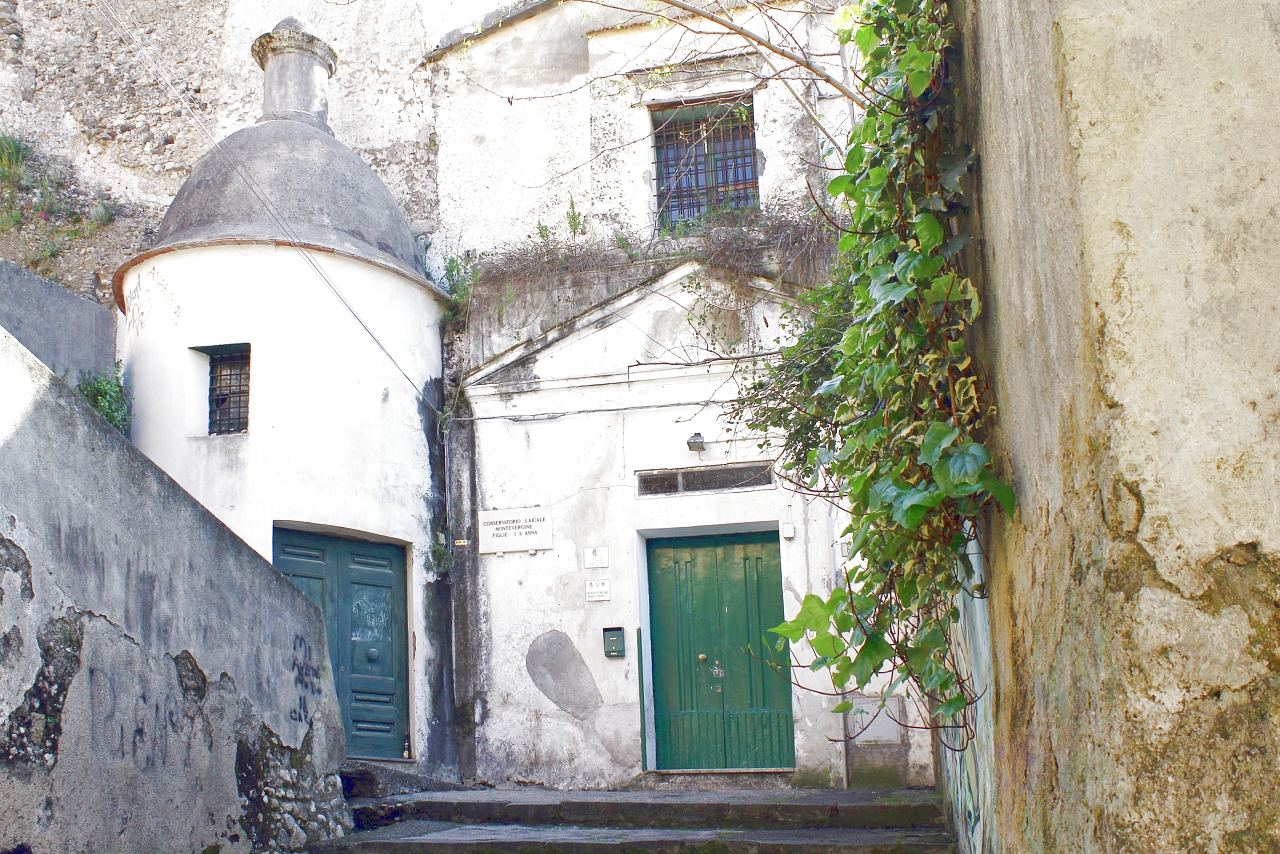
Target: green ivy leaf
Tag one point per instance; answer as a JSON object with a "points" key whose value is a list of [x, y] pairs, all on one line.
{"points": [[829, 386], [910, 507], [851, 341], [828, 645], [950, 708], [844, 21], [928, 232], [877, 177], [880, 274], [841, 707], [919, 82], [813, 614], [937, 439], [875, 649], [877, 251], [956, 489], [789, 630], [884, 492], [853, 160], [890, 292], [966, 463], [866, 39], [841, 185], [944, 288], [955, 244], [954, 168], [1000, 491]]}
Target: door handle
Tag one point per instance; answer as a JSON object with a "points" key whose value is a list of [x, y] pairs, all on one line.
{"points": [[372, 654], [702, 657]]}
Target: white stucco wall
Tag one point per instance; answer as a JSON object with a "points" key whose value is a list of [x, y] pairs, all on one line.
{"points": [[336, 441], [619, 413]]}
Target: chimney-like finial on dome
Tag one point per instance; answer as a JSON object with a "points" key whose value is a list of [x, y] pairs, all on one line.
{"points": [[298, 67]]}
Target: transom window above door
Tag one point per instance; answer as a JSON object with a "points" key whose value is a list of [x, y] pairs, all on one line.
{"points": [[705, 157]]}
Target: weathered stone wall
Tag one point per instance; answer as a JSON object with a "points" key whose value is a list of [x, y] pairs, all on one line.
{"points": [[70, 334], [1127, 197], [158, 679], [101, 85]]}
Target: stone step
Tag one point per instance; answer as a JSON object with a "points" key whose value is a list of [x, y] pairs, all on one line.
{"points": [[724, 809], [425, 837]]}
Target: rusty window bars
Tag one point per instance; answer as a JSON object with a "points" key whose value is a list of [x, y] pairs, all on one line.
{"points": [[705, 158], [228, 389]]}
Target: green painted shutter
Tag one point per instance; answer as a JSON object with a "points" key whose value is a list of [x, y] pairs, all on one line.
{"points": [[361, 588], [716, 597]]}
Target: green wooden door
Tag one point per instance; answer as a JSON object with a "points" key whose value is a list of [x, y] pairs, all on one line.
{"points": [[715, 704], [361, 589]]}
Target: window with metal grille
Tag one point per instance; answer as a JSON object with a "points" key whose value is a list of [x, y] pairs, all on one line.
{"points": [[228, 388], [705, 156], [740, 476]]}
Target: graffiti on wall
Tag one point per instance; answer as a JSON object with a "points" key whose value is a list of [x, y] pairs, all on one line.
{"points": [[306, 679]]}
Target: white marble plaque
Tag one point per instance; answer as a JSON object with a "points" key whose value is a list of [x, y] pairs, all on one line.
{"points": [[598, 590], [595, 558], [518, 530]]}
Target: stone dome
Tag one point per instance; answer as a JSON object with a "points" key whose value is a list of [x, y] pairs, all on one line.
{"points": [[287, 180]]}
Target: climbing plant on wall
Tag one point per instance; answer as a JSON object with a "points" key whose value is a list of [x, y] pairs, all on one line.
{"points": [[107, 393], [878, 402]]}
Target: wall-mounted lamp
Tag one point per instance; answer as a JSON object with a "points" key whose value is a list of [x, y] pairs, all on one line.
{"points": [[696, 442]]}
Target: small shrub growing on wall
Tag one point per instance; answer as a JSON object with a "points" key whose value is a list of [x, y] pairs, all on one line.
{"points": [[107, 393]]}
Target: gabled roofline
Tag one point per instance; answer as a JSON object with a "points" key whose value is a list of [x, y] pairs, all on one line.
{"points": [[517, 353], [512, 13], [497, 19]]}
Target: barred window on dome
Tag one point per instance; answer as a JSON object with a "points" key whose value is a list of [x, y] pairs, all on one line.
{"points": [[228, 389]]}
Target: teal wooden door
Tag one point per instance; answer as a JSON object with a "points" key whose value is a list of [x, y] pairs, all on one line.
{"points": [[716, 705], [361, 589]]}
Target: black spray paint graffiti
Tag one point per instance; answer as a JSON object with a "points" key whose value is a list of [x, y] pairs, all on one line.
{"points": [[306, 678]]}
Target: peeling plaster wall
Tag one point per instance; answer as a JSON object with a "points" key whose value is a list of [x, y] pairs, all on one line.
{"points": [[1127, 197], [157, 678], [556, 107]]}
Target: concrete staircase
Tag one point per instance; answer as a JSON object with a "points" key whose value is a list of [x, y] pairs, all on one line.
{"points": [[649, 822]]}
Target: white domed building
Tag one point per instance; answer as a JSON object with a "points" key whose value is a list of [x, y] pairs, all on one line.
{"points": [[283, 346]]}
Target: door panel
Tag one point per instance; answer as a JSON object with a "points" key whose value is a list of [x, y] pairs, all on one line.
{"points": [[362, 586], [717, 705]]}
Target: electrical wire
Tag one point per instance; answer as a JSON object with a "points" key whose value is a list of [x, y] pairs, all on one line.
{"points": [[121, 21]]}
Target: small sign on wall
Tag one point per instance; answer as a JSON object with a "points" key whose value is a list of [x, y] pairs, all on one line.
{"points": [[517, 530], [598, 590], [595, 557]]}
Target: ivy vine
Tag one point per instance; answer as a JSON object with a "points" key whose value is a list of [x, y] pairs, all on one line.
{"points": [[878, 402]]}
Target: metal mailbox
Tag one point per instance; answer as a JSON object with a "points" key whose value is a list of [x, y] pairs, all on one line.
{"points": [[615, 644]]}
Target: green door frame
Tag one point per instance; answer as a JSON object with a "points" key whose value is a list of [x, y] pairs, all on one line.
{"points": [[730, 715]]}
